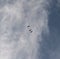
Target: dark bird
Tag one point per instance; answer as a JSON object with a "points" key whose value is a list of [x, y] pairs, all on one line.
{"points": [[28, 26], [30, 30]]}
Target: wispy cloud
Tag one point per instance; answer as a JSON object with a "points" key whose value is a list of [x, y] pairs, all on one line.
{"points": [[16, 40]]}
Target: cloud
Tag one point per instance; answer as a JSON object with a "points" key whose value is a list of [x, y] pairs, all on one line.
{"points": [[16, 40]]}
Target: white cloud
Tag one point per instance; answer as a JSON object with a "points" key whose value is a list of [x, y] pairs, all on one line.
{"points": [[21, 44]]}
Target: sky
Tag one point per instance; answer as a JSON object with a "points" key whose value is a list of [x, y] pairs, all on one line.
{"points": [[29, 29]]}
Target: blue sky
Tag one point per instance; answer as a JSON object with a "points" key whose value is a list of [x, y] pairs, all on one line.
{"points": [[51, 45]]}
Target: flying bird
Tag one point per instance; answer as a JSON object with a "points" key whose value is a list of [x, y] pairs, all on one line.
{"points": [[30, 30], [28, 26]]}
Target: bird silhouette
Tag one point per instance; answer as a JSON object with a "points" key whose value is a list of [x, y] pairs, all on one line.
{"points": [[28, 26], [30, 30]]}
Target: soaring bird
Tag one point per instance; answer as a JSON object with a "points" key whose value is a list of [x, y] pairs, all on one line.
{"points": [[28, 26], [30, 30]]}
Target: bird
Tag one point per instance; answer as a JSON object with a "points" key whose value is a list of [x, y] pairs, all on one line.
{"points": [[30, 30], [28, 26]]}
